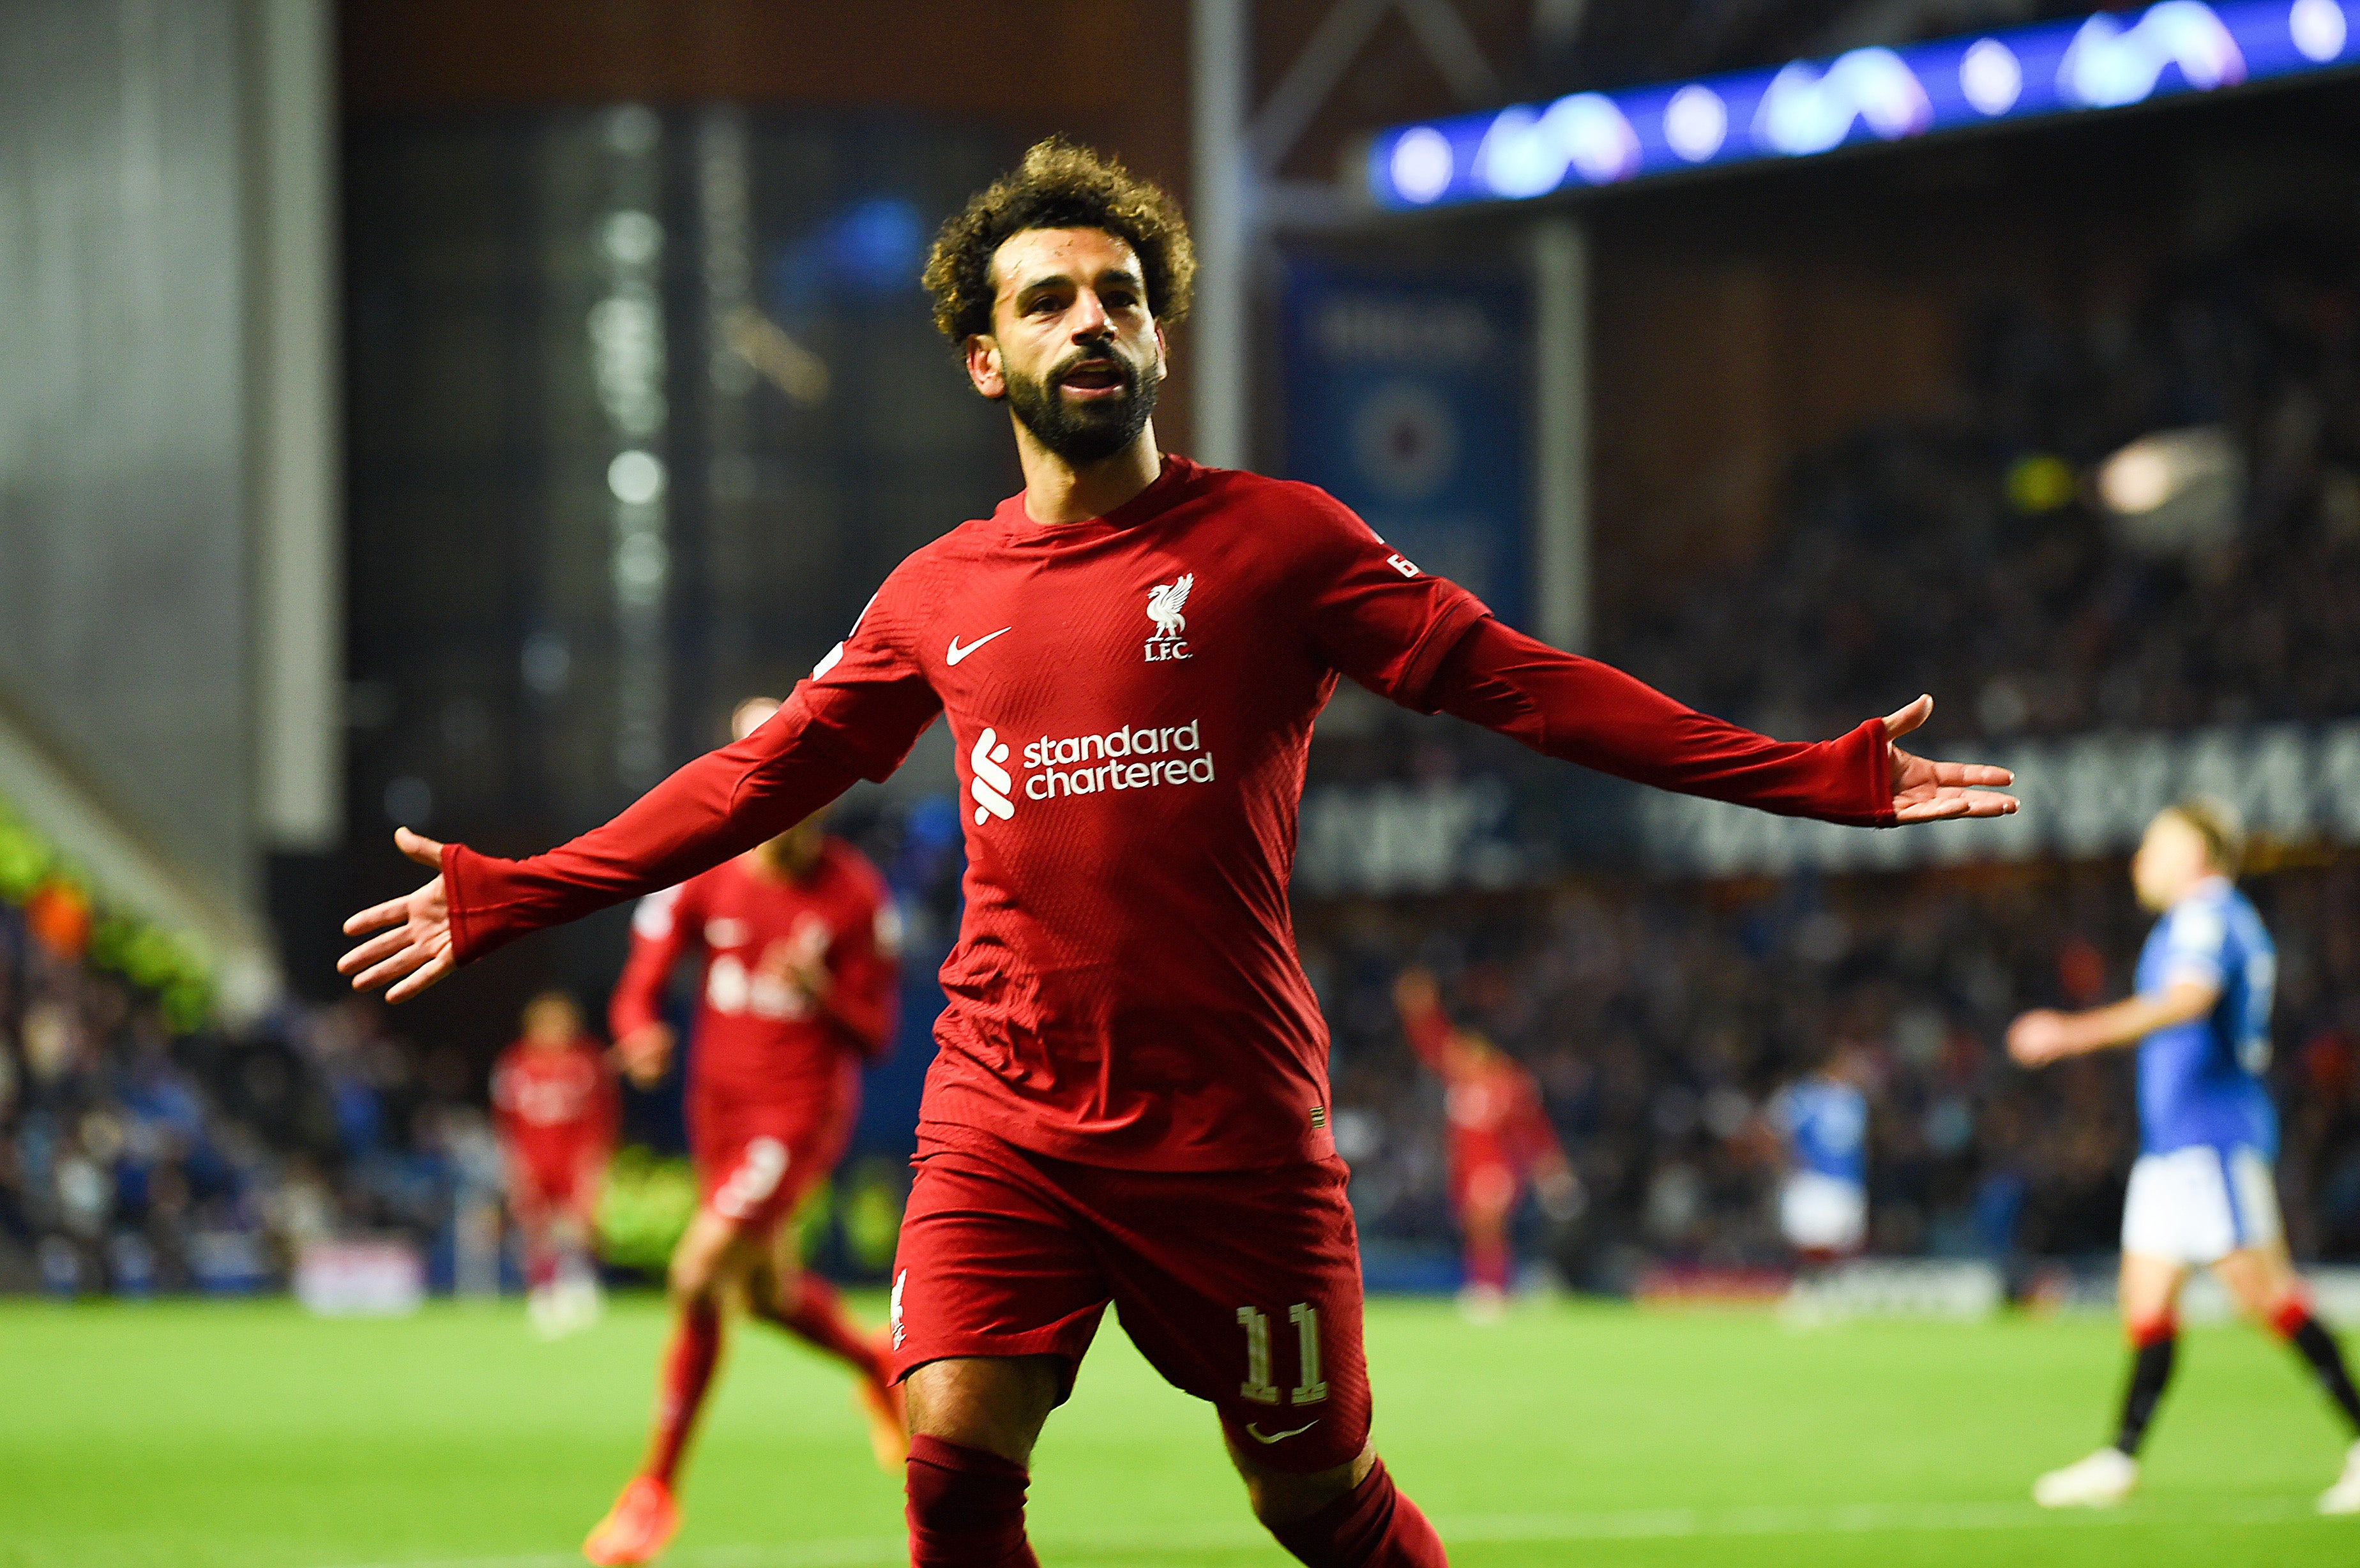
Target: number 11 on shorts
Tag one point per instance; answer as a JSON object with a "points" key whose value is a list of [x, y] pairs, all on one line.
{"points": [[1258, 1385]]}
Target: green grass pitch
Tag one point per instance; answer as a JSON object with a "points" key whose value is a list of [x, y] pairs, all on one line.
{"points": [[191, 1436]]}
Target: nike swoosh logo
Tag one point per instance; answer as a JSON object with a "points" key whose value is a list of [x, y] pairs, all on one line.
{"points": [[1256, 1432], [957, 653]]}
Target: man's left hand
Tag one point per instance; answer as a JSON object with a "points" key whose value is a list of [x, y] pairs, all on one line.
{"points": [[1926, 791]]}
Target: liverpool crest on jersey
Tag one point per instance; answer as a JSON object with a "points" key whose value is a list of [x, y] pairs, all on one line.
{"points": [[1164, 604]]}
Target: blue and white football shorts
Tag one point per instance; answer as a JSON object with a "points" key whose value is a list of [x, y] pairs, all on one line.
{"points": [[2198, 1204]]}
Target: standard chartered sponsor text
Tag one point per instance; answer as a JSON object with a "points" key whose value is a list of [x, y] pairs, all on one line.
{"points": [[1126, 758]]}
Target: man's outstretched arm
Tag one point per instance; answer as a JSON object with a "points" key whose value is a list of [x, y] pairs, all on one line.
{"points": [[1583, 712], [2042, 1036], [723, 803]]}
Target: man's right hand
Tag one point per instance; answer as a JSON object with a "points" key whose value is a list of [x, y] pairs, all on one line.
{"points": [[645, 1053], [412, 949], [2039, 1038], [1414, 990]]}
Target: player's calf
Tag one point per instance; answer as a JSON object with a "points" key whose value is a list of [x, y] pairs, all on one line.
{"points": [[1372, 1525], [2297, 1325], [2155, 1348], [1347, 1516], [809, 1308]]}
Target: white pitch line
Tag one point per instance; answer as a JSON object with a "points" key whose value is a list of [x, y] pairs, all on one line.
{"points": [[1656, 1524], [1845, 1519]]}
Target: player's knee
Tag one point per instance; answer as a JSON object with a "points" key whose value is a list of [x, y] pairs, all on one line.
{"points": [[1281, 1498], [2266, 1289], [694, 1278], [2280, 1304], [996, 1404]]}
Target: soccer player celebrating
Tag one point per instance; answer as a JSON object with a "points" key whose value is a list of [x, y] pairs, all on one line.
{"points": [[1500, 1139], [799, 940], [2200, 1192], [1129, 1100], [554, 1108]]}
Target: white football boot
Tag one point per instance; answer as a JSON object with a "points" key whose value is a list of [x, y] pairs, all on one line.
{"points": [[1484, 1304], [2100, 1481], [2344, 1497], [544, 1308], [580, 1302]]}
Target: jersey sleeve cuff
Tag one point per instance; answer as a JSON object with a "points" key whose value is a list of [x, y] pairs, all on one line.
{"points": [[462, 876], [1876, 788]]}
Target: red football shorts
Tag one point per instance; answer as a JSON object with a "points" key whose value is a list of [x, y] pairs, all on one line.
{"points": [[1240, 1287], [1491, 1187], [755, 1163], [557, 1175]]}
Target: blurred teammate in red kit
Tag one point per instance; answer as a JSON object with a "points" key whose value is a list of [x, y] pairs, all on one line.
{"points": [[796, 942], [553, 1105]]}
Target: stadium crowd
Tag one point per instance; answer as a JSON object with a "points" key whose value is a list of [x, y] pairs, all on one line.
{"points": [[1660, 1019], [1977, 541], [135, 1157]]}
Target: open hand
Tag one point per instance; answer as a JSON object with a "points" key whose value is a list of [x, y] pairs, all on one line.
{"points": [[412, 949], [1926, 791]]}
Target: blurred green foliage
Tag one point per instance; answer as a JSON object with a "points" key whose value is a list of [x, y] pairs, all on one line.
{"points": [[150, 956], [643, 1209]]}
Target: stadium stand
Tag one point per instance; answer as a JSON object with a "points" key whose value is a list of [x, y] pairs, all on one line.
{"points": [[1978, 531], [137, 1157], [1658, 1016]]}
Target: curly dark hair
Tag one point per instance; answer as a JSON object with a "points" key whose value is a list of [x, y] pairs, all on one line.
{"points": [[1059, 186]]}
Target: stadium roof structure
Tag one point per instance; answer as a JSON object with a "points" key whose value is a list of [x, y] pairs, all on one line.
{"points": [[2109, 60]]}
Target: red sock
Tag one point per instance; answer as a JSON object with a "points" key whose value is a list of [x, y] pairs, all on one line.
{"points": [[688, 1364], [966, 1509], [815, 1312], [1373, 1526], [1488, 1263], [539, 1257]]}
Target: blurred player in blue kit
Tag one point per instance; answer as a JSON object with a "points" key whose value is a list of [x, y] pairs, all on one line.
{"points": [[2201, 1193], [1822, 1124]]}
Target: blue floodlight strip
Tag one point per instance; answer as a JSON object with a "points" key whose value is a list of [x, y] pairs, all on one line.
{"points": [[2103, 61]]}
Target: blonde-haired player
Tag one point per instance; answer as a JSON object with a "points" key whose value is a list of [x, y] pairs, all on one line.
{"points": [[2201, 1193]]}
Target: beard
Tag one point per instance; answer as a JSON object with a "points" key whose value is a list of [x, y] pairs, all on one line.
{"points": [[1084, 433]]}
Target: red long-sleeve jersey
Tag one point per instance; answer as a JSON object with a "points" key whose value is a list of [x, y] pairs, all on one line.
{"points": [[553, 1108], [1131, 700], [760, 1037]]}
